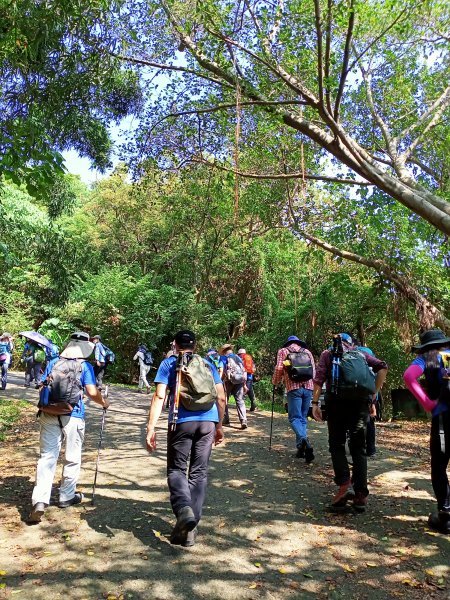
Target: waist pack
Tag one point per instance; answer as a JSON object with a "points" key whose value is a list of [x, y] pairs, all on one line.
{"points": [[235, 372], [197, 387], [62, 389], [299, 367], [356, 379]]}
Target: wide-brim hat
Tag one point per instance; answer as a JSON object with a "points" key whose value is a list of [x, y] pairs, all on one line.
{"points": [[5, 335], [79, 346], [226, 347], [430, 338]]}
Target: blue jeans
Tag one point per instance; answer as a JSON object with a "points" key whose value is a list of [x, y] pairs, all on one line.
{"points": [[298, 406]]}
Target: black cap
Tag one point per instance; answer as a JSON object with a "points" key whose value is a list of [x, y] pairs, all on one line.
{"points": [[185, 339]]}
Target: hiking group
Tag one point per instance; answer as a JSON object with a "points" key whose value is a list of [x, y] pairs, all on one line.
{"points": [[197, 390]]}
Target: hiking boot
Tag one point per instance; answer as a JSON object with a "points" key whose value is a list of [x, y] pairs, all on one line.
{"points": [[344, 494], [252, 407], [226, 422], [77, 499], [439, 522], [360, 502], [244, 425], [190, 538], [148, 389], [309, 455], [186, 522], [37, 513], [300, 452]]}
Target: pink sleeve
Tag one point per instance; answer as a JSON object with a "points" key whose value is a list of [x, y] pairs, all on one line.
{"points": [[410, 377]]}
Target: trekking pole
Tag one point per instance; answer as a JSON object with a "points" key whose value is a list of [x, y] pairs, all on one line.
{"points": [[98, 454], [176, 396], [271, 419]]}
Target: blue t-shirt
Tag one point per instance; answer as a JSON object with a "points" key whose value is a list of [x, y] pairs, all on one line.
{"points": [[167, 374], [420, 361], [87, 378]]}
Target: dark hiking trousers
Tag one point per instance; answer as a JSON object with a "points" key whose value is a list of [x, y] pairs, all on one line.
{"points": [[370, 437], [188, 451], [99, 372], [348, 418], [439, 460]]}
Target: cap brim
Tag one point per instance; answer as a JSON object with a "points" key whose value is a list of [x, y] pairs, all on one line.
{"points": [[77, 349], [429, 344]]}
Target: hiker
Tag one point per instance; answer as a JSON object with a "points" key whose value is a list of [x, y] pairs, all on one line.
{"points": [[351, 388], [195, 423], [295, 367], [61, 419], [213, 357], [249, 367], [99, 360], [145, 358], [433, 361], [6, 348], [33, 356], [234, 377]]}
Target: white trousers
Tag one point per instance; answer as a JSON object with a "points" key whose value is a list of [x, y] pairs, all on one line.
{"points": [[143, 372], [51, 439]]}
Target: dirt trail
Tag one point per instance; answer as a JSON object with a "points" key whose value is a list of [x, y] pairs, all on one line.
{"points": [[265, 532]]}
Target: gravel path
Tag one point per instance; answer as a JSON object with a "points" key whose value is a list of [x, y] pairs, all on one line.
{"points": [[265, 534]]}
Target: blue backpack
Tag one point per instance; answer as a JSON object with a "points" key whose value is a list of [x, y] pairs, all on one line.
{"points": [[110, 357]]}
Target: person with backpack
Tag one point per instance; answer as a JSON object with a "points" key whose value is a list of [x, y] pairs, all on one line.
{"points": [[33, 355], [295, 367], [145, 358], [6, 348], [213, 357], [249, 367], [433, 362], [353, 379], [100, 362], [61, 416], [234, 377], [371, 448], [197, 402]]}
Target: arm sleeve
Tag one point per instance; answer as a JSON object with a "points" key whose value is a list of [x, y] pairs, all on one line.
{"points": [[410, 377], [214, 371], [162, 375]]}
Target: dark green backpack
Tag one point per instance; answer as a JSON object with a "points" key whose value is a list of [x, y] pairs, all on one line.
{"points": [[356, 379], [197, 387]]}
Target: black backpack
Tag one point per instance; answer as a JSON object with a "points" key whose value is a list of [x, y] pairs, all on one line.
{"points": [[298, 366], [356, 379], [62, 389], [148, 358]]}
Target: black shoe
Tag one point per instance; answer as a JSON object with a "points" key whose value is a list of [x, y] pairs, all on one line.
{"points": [[309, 455], [37, 513], [244, 425], [77, 499], [301, 449], [439, 523], [190, 538], [252, 407], [226, 422], [186, 522]]}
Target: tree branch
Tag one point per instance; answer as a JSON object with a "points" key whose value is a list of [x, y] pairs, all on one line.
{"points": [[344, 71], [319, 35], [428, 313], [328, 56], [274, 176]]}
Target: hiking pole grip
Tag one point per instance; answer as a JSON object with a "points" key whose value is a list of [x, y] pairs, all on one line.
{"points": [[271, 418], [102, 427]]}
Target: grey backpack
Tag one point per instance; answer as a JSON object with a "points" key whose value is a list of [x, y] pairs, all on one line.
{"points": [[62, 390], [197, 387]]}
